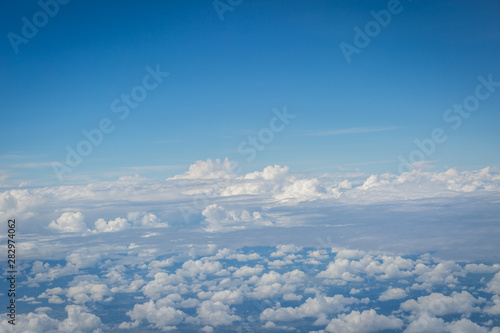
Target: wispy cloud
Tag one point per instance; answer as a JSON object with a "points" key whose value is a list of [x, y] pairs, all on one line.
{"points": [[352, 130]]}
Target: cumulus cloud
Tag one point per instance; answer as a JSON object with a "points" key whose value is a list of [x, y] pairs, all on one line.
{"points": [[79, 320], [160, 314], [494, 285], [216, 313], [248, 271], [209, 169], [318, 307], [339, 269], [392, 293], [111, 226], [219, 219], [437, 304], [69, 222], [364, 322]]}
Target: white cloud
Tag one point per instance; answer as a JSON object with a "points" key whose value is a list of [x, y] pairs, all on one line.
{"points": [[426, 323], [494, 309], [392, 293], [216, 313], [313, 307], [494, 285], [339, 269], [112, 226], [161, 314], [364, 322], [209, 169], [437, 304], [69, 222], [219, 219], [248, 271], [79, 320], [86, 291]]}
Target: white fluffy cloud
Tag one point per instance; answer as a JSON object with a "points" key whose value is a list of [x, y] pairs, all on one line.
{"points": [[209, 169], [437, 304], [111, 226], [216, 313], [392, 293], [220, 219], [160, 313], [494, 285], [79, 320], [69, 222], [364, 322], [320, 306]]}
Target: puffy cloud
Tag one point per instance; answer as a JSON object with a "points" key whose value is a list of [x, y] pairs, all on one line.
{"points": [[466, 326], [494, 285], [86, 291], [284, 249], [494, 309], [164, 284], [339, 269], [426, 323], [114, 225], [437, 304], [273, 283], [271, 172], [199, 268], [481, 268], [228, 297], [444, 273], [392, 293], [313, 307], [219, 219], [364, 322], [161, 314], [216, 313], [79, 320], [298, 190], [209, 169], [69, 222], [151, 220], [248, 271]]}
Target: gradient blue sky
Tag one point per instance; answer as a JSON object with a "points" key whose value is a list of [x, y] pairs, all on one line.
{"points": [[227, 76]]}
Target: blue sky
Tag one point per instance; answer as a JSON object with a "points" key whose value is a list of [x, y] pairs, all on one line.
{"points": [[227, 76]]}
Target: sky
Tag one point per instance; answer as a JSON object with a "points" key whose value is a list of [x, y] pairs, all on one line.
{"points": [[226, 76], [250, 166]]}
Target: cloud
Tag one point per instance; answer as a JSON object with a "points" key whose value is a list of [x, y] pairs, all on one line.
{"points": [[392, 293], [111, 226], [494, 285], [248, 271], [318, 307], [437, 304], [69, 222], [364, 322], [494, 310], [339, 269], [219, 219], [215, 313], [160, 313], [79, 320], [209, 169]]}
